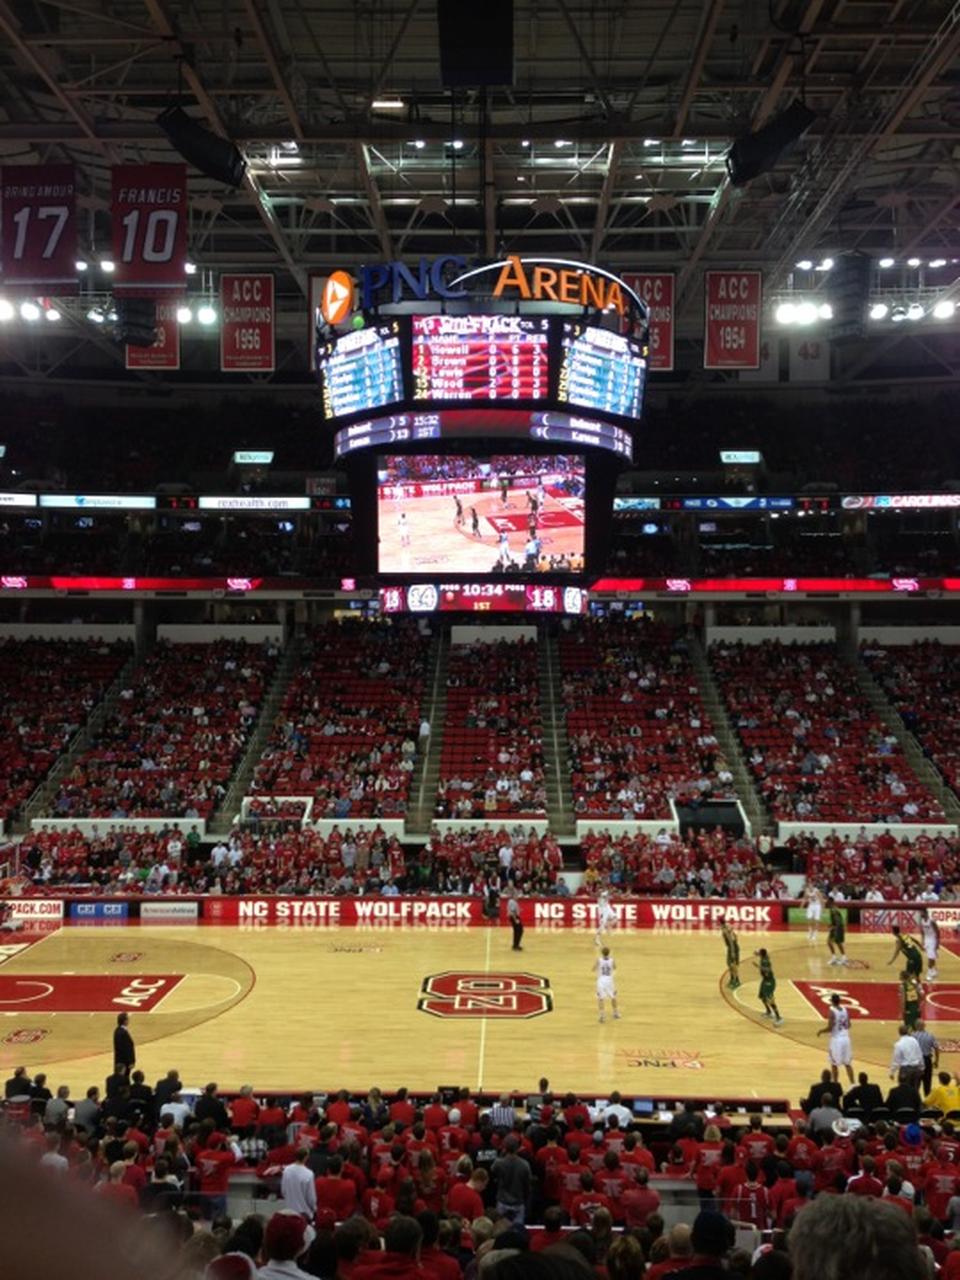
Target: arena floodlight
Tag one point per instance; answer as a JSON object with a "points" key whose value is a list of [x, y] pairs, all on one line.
{"points": [[786, 313], [885, 263], [944, 309], [6, 310], [879, 311]]}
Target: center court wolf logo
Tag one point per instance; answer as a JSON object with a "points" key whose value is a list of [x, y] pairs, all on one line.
{"points": [[485, 995]]}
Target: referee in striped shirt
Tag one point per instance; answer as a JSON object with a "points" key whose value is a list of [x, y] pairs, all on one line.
{"points": [[502, 1114]]}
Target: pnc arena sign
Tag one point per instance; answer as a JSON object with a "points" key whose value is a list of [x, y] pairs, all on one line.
{"points": [[451, 277]]}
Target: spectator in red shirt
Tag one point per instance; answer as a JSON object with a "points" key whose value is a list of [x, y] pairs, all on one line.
{"points": [[273, 1120], [756, 1145], [706, 1165], [435, 1264], [453, 1136], [612, 1179], [214, 1164], [435, 1115], [729, 1178], [942, 1180], [865, 1183], [378, 1202], [587, 1201], [552, 1232], [400, 1257], [335, 1192], [782, 1191], [638, 1200], [892, 1195], [402, 1111], [244, 1110], [465, 1197], [636, 1154], [469, 1111], [750, 1203], [116, 1189], [680, 1255], [802, 1151], [338, 1112], [135, 1175]]}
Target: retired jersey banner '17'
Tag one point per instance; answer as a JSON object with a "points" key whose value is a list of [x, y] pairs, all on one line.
{"points": [[656, 288], [733, 302], [149, 217], [39, 228], [247, 324]]}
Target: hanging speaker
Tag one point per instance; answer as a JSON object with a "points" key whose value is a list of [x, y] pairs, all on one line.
{"points": [[850, 297], [136, 323], [214, 156], [756, 153], [476, 43]]}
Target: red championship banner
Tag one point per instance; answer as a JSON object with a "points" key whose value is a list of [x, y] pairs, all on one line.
{"points": [[165, 352], [149, 216], [247, 324], [39, 227], [657, 289], [310, 912], [733, 301]]}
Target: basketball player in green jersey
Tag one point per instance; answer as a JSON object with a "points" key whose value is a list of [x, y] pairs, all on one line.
{"points": [[909, 948], [732, 943], [768, 987], [912, 996]]}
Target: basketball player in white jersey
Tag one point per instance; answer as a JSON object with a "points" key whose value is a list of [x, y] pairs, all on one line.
{"points": [[403, 529], [931, 941], [605, 968], [839, 1049], [606, 916], [813, 899]]}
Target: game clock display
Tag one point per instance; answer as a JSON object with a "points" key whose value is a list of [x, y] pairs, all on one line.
{"points": [[493, 357], [482, 597]]}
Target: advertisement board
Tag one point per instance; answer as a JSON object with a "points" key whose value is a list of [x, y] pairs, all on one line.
{"points": [[646, 913], [82, 912], [170, 911], [36, 908], [347, 911]]}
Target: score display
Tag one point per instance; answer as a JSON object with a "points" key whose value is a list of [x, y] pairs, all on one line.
{"points": [[360, 371], [482, 597], [495, 357], [601, 370]]}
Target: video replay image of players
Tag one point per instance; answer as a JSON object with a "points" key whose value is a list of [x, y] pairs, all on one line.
{"points": [[506, 514]]}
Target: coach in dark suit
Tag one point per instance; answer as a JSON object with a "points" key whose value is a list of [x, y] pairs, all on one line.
{"points": [[124, 1050]]}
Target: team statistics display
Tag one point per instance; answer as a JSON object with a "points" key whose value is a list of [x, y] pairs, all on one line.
{"points": [[480, 515]]}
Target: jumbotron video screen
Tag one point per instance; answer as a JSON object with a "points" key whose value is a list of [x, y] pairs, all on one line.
{"points": [[464, 514]]}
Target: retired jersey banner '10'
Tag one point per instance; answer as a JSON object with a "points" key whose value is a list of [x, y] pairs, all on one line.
{"points": [[149, 216], [247, 324], [39, 228], [733, 302]]}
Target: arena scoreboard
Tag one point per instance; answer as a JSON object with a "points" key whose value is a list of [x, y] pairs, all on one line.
{"points": [[601, 370], [569, 382], [360, 371], [496, 357]]}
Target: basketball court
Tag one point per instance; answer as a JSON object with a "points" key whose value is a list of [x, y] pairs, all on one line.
{"points": [[325, 1007], [435, 542]]}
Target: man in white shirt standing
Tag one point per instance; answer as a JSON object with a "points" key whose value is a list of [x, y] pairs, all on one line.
{"points": [[616, 1108], [297, 1187], [907, 1058]]}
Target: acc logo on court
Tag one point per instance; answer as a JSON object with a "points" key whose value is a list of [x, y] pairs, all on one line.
{"points": [[336, 302], [26, 1035], [485, 995]]}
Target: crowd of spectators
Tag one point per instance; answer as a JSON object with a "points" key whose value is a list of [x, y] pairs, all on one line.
{"points": [[638, 734], [491, 761], [454, 1185], [816, 748], [701, 863], [47, 690], [922, 681], [291, 860], [351, 720], [169, 746]]}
